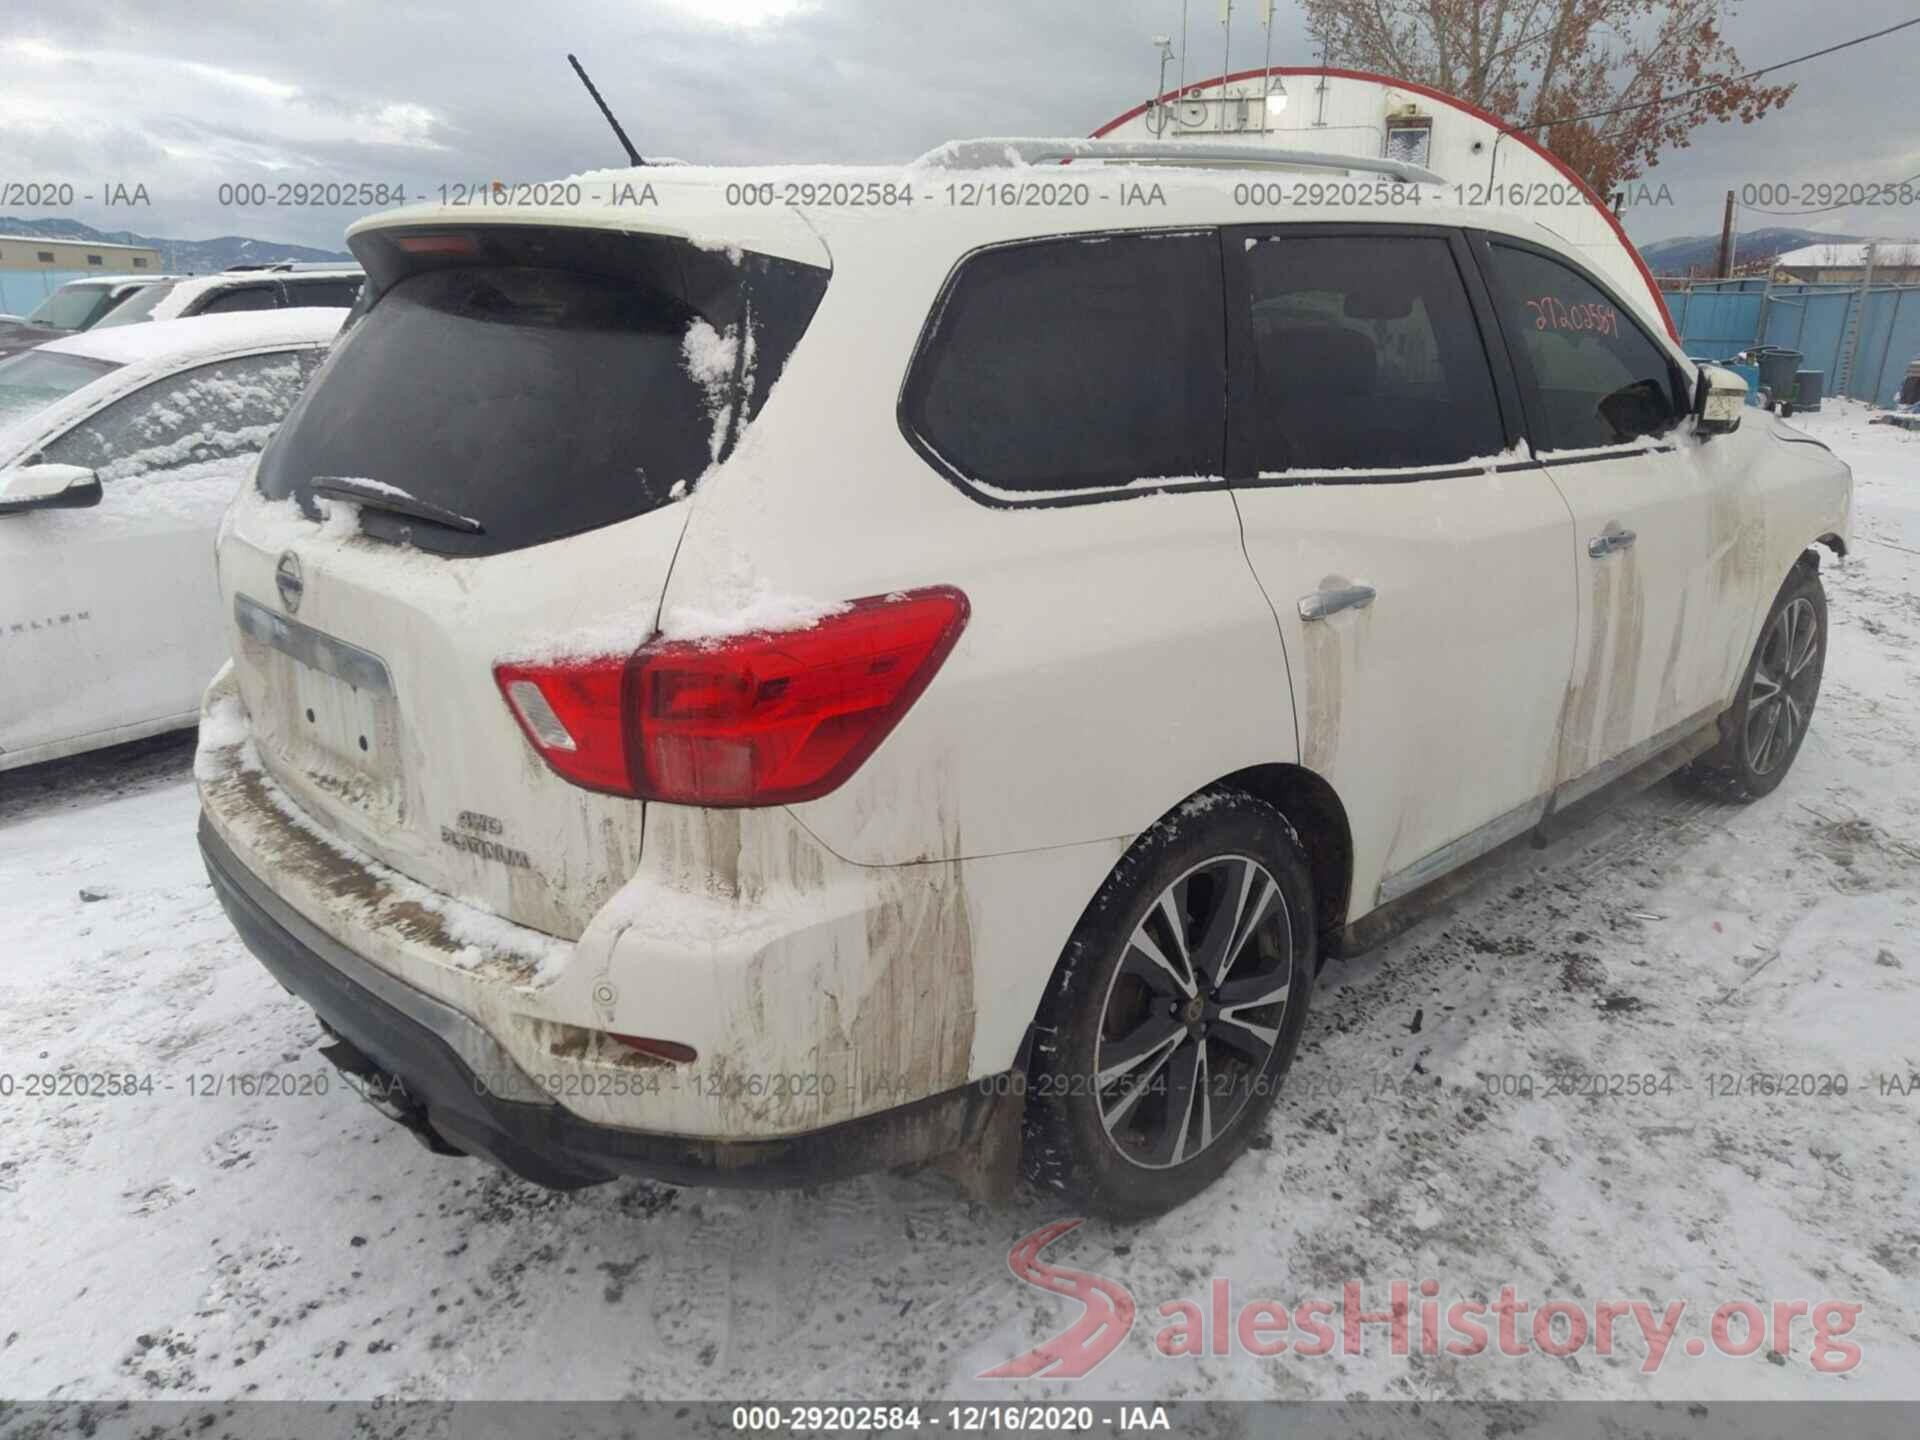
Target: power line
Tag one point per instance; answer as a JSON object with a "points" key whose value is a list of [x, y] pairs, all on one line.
{"points": [[1539, 124]]}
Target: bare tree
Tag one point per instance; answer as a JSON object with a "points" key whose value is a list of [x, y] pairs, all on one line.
{"points": [[1662, 67]]}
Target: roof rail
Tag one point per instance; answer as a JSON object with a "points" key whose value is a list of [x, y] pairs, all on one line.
{"points": [[992, 154]]}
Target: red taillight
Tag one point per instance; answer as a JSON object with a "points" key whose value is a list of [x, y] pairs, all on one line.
{"points": [[753, 720]]}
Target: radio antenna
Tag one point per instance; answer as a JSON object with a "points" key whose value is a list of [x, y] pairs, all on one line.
{"points": [[633, 155]]}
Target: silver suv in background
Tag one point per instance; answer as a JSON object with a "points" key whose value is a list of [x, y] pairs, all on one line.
{"points": [[76, 306], [279, 287]]}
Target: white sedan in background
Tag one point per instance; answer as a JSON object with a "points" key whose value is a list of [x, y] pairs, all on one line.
{"points": [[119, 450]]}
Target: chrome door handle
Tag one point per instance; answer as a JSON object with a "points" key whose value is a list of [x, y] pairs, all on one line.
{"points": [[1323, 603], [1609, 540]]}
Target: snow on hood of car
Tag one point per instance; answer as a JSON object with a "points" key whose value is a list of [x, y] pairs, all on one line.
{"points": [[210, 335]]}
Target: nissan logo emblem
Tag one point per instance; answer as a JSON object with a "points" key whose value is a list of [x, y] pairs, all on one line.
{"points": [[286, 576]]}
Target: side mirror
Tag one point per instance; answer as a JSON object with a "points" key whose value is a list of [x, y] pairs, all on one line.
{"points": [[48, 487], [1719, 400]]}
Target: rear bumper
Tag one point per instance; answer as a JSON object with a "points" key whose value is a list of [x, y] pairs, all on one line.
{"points": [[462, 1086]]}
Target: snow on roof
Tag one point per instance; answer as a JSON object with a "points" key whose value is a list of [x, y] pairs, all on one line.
{"points": [[203, 335], [184, 292], [94, 282], [1829, 255]]}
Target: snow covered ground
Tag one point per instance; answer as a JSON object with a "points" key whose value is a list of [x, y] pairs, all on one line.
{"points": [[181, 1244]]}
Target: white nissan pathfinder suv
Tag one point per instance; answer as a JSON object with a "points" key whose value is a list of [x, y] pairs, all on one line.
{"points": [[800, 672]]}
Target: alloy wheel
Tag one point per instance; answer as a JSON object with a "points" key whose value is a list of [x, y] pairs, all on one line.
{"points": [[1193, 1013], [1785, 680]]}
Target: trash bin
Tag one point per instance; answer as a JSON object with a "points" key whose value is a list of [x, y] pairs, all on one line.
{"points": [[1747, 372], [1809, 387], [1778, 366]]}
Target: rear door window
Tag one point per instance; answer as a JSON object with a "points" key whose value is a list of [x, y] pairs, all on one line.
{"points": [[1076, 363], [1600, 380], [1365, 355], [221, 411], [547, 383], [249, 297]]}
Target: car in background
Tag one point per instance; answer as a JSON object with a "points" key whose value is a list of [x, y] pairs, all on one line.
{"points": [[278, 287], [118, 452], [76, 306]]}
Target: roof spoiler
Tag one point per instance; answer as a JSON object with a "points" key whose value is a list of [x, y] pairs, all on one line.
{"points": [[997, 154]]}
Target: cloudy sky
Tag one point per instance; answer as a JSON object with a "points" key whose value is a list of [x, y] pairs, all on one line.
{"points": [[98, 91]]}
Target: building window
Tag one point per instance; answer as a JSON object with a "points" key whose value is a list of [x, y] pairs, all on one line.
{"points": [[46, 257], [93, 260]]}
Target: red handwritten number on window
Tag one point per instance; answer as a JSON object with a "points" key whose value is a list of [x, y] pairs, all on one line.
{"points": [[1596, 317]]}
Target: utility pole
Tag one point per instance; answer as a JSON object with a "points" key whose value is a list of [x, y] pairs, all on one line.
{"points": [[1226, 56], [1266, 67], [1725, 267], [1858, 320]]}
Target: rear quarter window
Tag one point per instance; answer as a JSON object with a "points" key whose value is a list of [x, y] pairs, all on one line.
{"points": [[328, 294], [232, 302], [1074, 364]]}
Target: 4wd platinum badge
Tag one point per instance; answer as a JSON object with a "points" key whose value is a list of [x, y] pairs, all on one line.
{"points": [[287, 579], [472, 837]]}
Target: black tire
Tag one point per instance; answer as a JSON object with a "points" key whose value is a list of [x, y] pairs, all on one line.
{"points": [[1754, 753], [1210, 860]]}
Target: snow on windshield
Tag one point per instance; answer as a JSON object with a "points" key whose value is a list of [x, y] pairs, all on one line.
{"points": [[35, 379]]}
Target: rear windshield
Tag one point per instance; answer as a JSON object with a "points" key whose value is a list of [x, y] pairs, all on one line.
{"points": [[69, 307], [138, 306], [34, 379], [541, 400]]}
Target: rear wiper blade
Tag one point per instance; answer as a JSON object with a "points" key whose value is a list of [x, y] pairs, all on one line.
{"points": [[375, 496]]}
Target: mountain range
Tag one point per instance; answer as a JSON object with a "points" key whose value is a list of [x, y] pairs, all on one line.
{"points": [[1679, 255], [177, 257]]}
